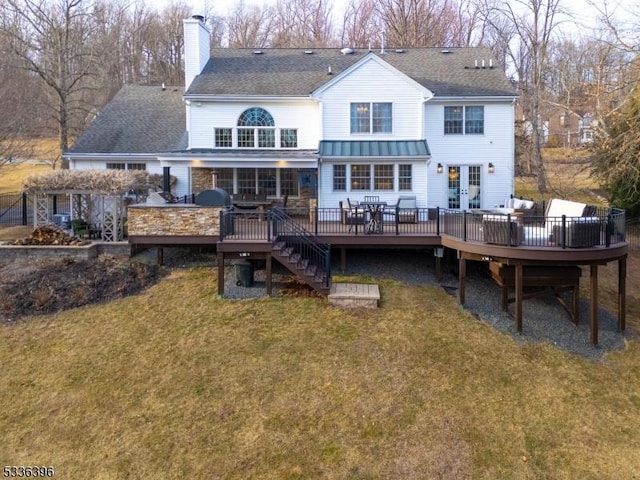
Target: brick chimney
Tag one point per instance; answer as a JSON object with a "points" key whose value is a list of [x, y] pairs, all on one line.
{"points": [[196, 47]]}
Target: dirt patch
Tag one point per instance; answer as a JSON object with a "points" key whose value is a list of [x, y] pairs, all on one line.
{"points": [[50, 286], [292, 287]]}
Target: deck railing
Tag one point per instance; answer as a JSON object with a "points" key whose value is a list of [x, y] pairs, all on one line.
{"points": [[605, 227]]}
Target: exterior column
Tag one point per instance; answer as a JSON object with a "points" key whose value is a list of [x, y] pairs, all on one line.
{"points": [[166, 179], [518, 292], [594, 304], [269, 275], [622, 293], [462, 274], [220, 259]]}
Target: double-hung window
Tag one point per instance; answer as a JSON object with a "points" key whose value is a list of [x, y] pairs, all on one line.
{"points": [[468, 120], [339, 178], [371, 118]]}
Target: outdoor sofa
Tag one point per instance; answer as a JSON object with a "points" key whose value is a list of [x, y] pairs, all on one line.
{"points": [[565, 223]]}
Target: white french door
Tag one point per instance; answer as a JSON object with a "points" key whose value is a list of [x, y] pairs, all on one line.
{"points": [[464, 186]]}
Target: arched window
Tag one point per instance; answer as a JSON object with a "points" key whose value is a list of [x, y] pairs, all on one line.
{"points": [[256, 117], [256, 128]]}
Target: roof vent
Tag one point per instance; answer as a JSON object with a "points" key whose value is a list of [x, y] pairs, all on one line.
{"points": [[308, 52], [346, 51], [257, 52], [329, 72], [399, 50]]}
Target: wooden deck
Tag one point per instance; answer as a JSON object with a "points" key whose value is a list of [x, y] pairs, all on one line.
{"points": [[252, 236]]}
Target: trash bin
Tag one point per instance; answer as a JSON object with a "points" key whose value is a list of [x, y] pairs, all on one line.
{"points": [[244, 272]]}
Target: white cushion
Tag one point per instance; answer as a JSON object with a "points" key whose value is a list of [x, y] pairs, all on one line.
{"points": [[536, 232], [528, 204], [503, 211], [517, 203], [508, 203], [583, 220], [559, 207], [497, 218]]}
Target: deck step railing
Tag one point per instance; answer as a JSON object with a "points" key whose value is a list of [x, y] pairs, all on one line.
{"points": [[298, 250]]}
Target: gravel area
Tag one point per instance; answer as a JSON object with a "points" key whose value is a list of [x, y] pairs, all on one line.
{"points": [[544, 319]]}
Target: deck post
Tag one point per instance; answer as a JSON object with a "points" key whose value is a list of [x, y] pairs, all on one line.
{"points": [[462, 273], [160, 255], [575, 297], [269, 274], [594, 305], [438, 252], [437, 220], [518, 292], [622, 293], [220, 261]]}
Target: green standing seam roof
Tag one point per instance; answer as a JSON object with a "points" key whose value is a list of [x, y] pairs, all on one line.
{"points": [[374, 148]]}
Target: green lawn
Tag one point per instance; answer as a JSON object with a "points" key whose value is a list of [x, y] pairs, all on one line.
{"points": [[176, 383]]}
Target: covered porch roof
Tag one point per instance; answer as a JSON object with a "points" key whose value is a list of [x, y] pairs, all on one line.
{"points": [[240, 158], [374, 148]]}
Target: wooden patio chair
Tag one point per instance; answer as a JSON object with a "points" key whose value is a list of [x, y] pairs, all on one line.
{"points": [[407, 209], [352, 215]]}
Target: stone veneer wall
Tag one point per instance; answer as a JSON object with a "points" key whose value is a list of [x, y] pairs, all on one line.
{"points": [[201, 180], [146, 220]]}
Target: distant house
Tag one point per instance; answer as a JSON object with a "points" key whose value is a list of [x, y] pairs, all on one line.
{"points": [[328, 123], [566, 128]]}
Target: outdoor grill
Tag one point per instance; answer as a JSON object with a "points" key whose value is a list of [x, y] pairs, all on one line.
{"points": [[160, 198], [216, 197]]}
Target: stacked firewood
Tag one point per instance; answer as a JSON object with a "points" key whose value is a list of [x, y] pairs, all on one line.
{"points": [[50, 235]]}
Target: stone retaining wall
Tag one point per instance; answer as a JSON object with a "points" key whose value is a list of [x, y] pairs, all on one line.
{"points": [[173, 219], [76, 252]]}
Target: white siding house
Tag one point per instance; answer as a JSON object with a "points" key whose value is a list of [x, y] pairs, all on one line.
{"points": [[332, 124]]}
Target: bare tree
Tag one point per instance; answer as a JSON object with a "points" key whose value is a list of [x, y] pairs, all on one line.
{"points": [[52, 40], [360, 26], [302, 23], [417, 23], [248, 26], [527, 28], [19, 121]]}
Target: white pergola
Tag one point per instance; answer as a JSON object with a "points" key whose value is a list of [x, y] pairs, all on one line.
{"points": [[97, 196]]}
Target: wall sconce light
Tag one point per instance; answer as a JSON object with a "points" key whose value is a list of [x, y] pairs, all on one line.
{"points": [[491, 168], [439, 168]]}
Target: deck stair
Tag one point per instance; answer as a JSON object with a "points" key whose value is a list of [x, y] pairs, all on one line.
{"points": [[296, 249]]}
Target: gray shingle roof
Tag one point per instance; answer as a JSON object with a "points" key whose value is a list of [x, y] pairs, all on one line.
{"points": [[139, 119], [293, 72]]}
